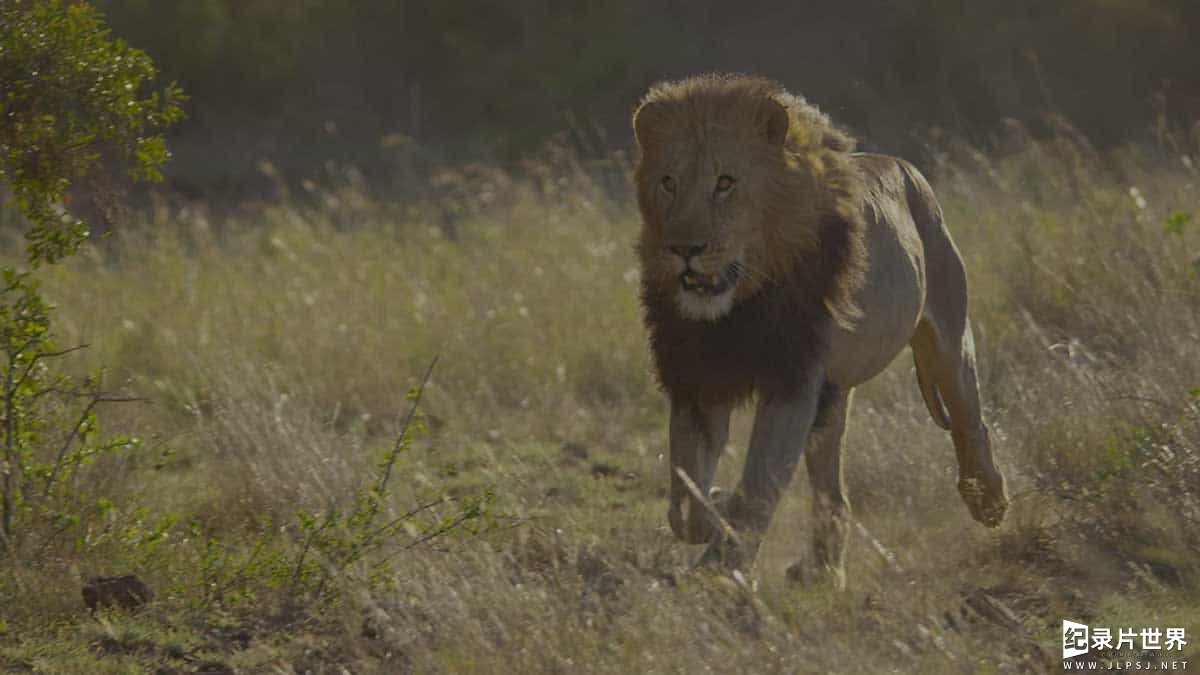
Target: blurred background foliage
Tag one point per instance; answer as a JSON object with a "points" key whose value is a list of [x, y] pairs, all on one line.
{"points": [[395, 86]]}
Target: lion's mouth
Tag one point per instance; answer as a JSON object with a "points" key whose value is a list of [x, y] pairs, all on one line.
{"points": [[710, 284]]}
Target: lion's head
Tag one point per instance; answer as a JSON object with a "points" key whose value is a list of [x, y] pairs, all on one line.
{"points": [[739, 184]]}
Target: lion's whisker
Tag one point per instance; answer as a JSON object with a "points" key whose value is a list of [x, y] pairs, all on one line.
{"points": [[752, 273]]}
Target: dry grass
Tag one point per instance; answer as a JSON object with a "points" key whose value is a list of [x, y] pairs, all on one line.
{"points": [[277, 349]]}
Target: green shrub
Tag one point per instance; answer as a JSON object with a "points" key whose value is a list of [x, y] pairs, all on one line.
{"points": [[70, 96]]}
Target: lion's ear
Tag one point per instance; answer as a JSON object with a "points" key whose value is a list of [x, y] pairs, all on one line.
{"points": [[647, 121], [778, 119]]}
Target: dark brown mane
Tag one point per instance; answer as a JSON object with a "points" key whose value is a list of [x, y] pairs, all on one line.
{"points": [[764, 343], [815, 227]]}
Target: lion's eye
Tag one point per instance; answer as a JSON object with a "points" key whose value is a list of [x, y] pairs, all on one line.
{"points": [[725, 183], [668, 184]]}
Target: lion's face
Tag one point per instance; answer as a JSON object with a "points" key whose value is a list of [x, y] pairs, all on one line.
{"points": [[707, 179], [703, 240]]}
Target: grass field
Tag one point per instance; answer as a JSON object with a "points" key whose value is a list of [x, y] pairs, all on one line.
{"points": [[277, 350]]}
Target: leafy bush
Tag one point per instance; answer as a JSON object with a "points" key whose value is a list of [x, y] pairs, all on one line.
{"points": [[69, 95]]}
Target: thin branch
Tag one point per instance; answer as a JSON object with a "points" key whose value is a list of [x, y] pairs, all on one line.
{"points": [[412, 512], [50, 539], [96, 399], [13, 355], [308, 544], [44, 355], [62, 452], [63, 352], [121, 399], [884, 553], [726, 528], [10, 462], [458, 520], [412, 413], [237, 576], [81, 393]]}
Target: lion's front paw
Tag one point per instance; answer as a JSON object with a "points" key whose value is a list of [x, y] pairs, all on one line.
{"points": [[722, 501], [985, 496]]}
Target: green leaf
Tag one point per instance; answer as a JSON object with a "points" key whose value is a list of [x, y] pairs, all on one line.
{"points": [[1176, 222], [72, 94]]}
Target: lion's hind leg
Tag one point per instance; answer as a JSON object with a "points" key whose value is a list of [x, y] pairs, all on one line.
{"points": [[830, 508], [944, 352]]}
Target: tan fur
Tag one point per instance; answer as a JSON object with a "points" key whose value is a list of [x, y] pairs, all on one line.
{"points": [[779, 265]]}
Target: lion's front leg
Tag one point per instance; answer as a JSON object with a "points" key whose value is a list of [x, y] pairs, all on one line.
{"points": [[830, 507], [782, 423], [698, 435]]}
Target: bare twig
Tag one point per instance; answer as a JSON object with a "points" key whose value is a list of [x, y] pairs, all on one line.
{"points": [[412, 413], [9, 466], [308, 543], [62, 451], [439, 531], [238, 575], [412, 512], [44, 355], [884, 553], [96, 399], [726, 528]]}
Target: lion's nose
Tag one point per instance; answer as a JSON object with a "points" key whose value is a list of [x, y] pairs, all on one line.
{"points": [[687, 251]]}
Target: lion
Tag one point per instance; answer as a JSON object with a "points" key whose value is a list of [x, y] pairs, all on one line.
{"points": [[781, 266]]}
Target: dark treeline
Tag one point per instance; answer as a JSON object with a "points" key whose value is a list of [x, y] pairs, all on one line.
{"points": [[393, 82]]}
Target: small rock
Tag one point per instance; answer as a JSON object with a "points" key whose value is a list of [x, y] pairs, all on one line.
{"points": [[575, 451], [214, 668], [604, 470], [125, 591]]}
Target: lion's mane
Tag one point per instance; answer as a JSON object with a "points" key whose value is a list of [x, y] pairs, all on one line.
{"points": [[813, 225]]}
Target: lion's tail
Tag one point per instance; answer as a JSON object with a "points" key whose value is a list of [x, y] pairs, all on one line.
{"points": [[928, 214], [933, 399]]}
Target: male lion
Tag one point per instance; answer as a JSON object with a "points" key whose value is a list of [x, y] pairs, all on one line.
{"points": [[779, 264]]}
